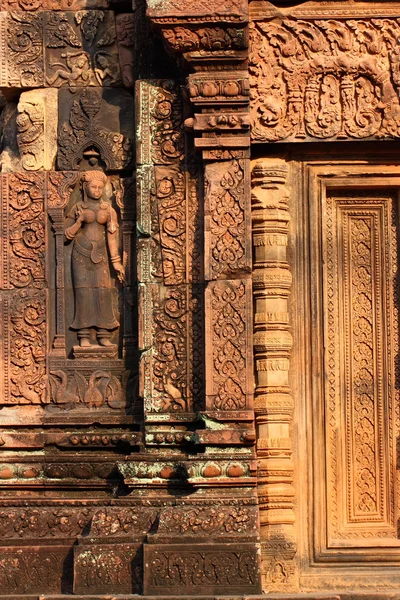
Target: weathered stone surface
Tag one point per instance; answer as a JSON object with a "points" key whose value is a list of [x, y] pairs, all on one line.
{"points": [[36, 121], [31, 5], [205, 569]]}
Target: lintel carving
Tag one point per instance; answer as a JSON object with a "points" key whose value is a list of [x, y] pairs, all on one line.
{"points": [[322, 78]]}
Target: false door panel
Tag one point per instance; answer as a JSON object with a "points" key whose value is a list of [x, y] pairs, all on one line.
{"points": [[355, 234]]}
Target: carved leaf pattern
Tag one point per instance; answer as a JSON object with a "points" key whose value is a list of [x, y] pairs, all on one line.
{"points": [[225, 197], [194, 569], [229, 344]]}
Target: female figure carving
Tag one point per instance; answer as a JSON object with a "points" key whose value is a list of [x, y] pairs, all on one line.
{"points": [[92, 225]]}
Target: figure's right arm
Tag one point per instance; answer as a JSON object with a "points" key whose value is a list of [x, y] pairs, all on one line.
{"points": [[73, 222]]}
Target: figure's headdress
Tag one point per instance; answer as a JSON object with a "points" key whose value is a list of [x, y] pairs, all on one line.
{"points": [[89, 176]]}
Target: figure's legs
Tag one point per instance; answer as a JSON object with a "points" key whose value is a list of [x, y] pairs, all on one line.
{"points": [[84, 337], [103, 337]]}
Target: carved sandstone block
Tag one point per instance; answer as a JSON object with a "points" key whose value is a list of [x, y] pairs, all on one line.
{"points": [[31, 5], [36, 133], [22, 60], [126, 41], [23, 349], [56, 48], [229, 360], [107, 568], [322, 78], [171, 333], [234, 10], [23, 224], [80, 49], [27, 569], [95, 128], [227, 218], [203, 569]]}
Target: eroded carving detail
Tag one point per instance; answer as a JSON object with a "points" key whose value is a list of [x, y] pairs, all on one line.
{"points": [[187, 569]]}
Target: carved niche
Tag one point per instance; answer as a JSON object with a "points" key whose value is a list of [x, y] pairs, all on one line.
{"points": [[95, 128], [324, 75], [91, 354]]}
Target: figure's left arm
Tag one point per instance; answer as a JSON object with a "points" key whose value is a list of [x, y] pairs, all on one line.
{"points": [[112, 240]]}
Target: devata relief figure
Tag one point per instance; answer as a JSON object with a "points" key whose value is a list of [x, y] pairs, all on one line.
{"points": [[93, 227]]}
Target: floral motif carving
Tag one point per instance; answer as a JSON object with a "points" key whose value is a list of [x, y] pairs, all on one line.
{"points": [[368, 231], [101, 568], [27, 348], [21, 523], [110, 522], [228, 341], [324, 79], [22, 572], [25, 49], [176, 374], [185, 39], [26, 230], [30, 136], [218, 520], [226, 212]]}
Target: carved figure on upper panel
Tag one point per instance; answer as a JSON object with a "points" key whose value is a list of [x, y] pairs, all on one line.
{"points": [[81, 49], [92, 226]]}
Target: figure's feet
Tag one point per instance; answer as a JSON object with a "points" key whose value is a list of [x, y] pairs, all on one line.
{"points": [[84, 338], [104, 341]]}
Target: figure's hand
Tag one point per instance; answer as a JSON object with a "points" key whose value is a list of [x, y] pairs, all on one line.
{"points": [[79, 215], [120, 270]]}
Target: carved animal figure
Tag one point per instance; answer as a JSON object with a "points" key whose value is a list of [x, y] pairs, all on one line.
{"points": [[62, 391], [94, 398]]}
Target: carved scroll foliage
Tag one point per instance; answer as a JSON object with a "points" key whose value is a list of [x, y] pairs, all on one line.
{"points": [[26, 230], [23, 572], [325, 79], [367, 258], [25, 49], [177, 372], [24, 348]]}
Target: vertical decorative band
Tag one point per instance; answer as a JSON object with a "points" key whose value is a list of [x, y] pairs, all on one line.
{"points": [[272, 346]]}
